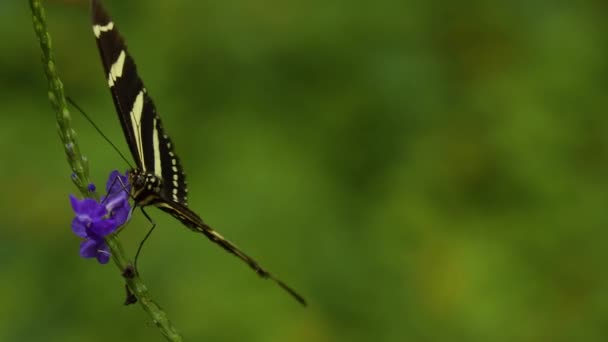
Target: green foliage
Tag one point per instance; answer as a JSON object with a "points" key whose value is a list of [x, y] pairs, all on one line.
{"points": [[420, 171]]}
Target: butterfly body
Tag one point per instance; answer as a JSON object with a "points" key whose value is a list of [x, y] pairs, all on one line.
{"points": [[146, 187], [158, 178]]}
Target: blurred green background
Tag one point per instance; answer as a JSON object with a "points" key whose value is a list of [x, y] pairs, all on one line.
{"points": [[420, 171]]}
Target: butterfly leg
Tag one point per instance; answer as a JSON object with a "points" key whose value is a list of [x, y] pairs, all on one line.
{"points": [[141, 244], [124, 188], [112, 186], [122, 185]]}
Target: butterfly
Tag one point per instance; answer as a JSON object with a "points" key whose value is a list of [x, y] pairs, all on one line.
{"points": [[158, 178]]}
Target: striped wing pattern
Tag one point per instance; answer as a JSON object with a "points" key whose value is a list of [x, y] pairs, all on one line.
{"points": [[150, 146]]}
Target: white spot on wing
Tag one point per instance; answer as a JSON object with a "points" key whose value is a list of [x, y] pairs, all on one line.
{"points": [[156, 145], [116, 69], [98, 29], [136, 112]]}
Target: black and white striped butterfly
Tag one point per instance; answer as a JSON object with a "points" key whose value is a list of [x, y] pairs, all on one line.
{"points": [[158, 178]]}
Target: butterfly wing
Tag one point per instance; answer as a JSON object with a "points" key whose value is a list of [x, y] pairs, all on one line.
{"points": [[194, 222], [150, 146], [174, 179]]}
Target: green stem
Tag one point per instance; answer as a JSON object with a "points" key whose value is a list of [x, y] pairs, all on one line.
{"points": [[80, 170]]}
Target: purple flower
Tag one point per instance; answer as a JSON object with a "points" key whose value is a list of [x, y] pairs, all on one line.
{"points": [[118, 208], [118, 184], [117, 200], [96, 220], [91, 248], [91, 224]]}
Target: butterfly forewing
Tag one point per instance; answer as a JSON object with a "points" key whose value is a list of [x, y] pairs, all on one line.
{"points": [[150, 146], [116, 62]]}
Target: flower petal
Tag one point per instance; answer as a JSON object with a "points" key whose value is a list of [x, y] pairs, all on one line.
{"points": [[98, 210], [115, 201], [119, 208], [117, 183], [103, 253], [78, 205], [101, 228], [79, 227], [121, 215], [88, 248], [87, 208]]}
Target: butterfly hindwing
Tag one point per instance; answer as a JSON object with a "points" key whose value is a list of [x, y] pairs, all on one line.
{"points": [[174, 187]]}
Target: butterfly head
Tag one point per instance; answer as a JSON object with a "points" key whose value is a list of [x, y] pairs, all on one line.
{"points": [[145, 186]]}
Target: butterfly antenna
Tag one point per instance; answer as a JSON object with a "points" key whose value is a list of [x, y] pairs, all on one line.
{"points": [[98, 130]]}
